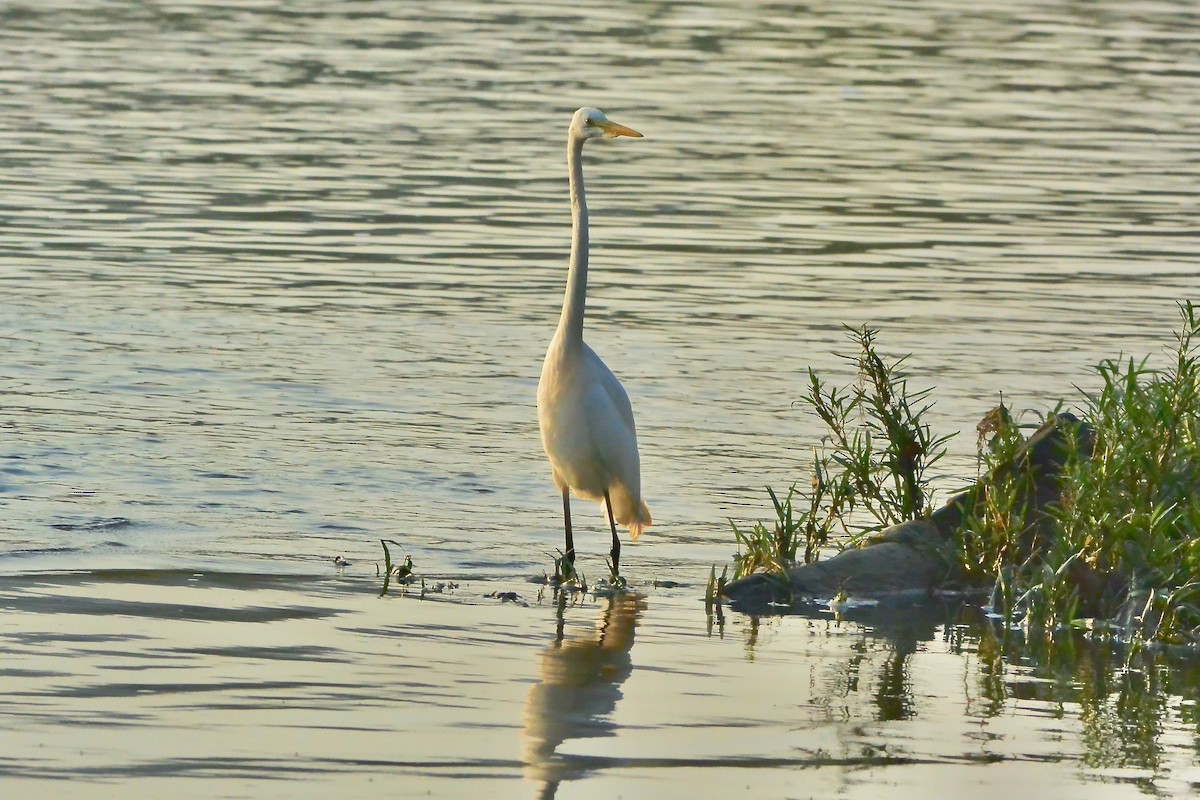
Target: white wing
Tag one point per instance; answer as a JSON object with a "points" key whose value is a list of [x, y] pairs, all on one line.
{"points": [[610, 424]]}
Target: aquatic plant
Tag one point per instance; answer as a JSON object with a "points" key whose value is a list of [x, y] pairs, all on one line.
{"points": [[872, 465], [566, 576], [1117, 556], [714, 588], [401, 573], [1123, 559], [879, 439]]}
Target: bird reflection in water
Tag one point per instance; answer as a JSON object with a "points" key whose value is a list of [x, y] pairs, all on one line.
{"points": [[580, 685]]}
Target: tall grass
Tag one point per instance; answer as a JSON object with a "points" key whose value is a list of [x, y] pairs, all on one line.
{"points": [[881, 448], [1126, 544], [999, 531], [870, 473]]}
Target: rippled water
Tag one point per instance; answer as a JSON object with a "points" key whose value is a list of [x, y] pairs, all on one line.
{"points": [[277, 281]]}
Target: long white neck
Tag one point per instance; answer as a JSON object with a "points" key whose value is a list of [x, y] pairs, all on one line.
{"points": [[570, 324]]}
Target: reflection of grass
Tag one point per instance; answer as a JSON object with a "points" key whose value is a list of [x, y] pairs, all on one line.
{"points": [[1129, 706], [716, 585]]}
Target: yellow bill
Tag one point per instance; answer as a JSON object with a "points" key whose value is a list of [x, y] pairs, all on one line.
{"points": [[611, 128]]}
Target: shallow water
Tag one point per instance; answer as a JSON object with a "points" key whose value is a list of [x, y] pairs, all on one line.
{"points": [[277, 282], [223, 684]]}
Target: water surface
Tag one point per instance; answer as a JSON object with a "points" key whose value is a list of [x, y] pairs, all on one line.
{"points": [[277, 282]]}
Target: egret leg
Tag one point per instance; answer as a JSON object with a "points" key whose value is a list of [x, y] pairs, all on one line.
{"points": [[616, 548], [567, 524]]}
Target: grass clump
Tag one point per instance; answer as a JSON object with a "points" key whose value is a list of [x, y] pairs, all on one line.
{"points": [[872, 466], [763, 549], [1124, 558], [881, 447], [998, 532], [1104, 537]]}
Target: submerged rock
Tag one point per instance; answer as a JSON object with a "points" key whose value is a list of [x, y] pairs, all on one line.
{"points": [[910, 560]]}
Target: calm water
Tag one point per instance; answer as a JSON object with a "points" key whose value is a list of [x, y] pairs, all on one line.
{"points": [[277, 281]]}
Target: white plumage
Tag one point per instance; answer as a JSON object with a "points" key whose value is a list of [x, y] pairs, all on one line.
{"points": [[583, 411]]}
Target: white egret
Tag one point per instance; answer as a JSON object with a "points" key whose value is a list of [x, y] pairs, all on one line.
{"points": [[583, 411]]}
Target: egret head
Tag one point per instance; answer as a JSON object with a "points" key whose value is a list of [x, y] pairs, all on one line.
{"points": [[590, 123]]}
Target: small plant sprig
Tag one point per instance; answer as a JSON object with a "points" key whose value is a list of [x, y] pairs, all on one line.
{"points": [[763, 549], [712, 597], [716, 586], [401, 573], [616, 581], [566, 576]]}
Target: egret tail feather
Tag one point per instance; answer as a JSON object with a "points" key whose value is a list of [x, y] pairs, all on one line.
{"points": [[631, 514], [641, 522]]}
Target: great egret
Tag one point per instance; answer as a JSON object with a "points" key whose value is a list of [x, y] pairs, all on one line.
{"points": [[583, 411]]}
